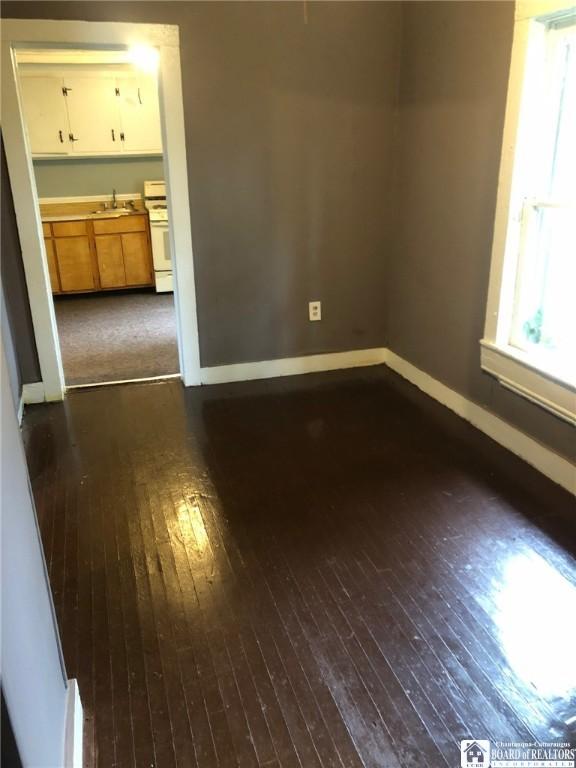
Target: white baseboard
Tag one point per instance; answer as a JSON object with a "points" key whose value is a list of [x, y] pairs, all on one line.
{"points": [[33, 393], [73, 752], [547, 462], [292, 366]]}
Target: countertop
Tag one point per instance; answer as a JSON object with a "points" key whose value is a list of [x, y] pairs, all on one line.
{"points": [[112, 214]]}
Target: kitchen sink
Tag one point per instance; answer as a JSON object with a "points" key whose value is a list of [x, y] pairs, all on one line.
{"points": [[112, 213]]}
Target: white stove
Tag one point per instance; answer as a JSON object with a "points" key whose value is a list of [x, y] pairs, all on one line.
{"points": [[155, 202]]}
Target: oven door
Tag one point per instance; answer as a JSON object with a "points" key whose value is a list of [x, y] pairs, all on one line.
{"points": [[160, 245]]}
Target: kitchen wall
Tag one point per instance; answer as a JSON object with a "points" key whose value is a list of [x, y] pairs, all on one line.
{"points": [[455, 60], [289, 128], [90, 176]]}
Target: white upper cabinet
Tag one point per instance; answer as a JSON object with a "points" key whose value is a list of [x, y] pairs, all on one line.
{"points": [[94, 113], [45, 115], [140, 113]]}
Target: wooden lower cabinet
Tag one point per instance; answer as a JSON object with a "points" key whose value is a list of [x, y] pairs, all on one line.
{"points": [[138, 270], [74, 259], [52, 266], [110, 261], [99, 255]]}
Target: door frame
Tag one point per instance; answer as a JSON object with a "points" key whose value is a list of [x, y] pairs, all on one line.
{"points": [[20, 33]]}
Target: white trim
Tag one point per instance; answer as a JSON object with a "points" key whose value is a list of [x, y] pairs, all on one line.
{"points": [[546, 461], [57, 58], [23, 185], [33, 393], [100, 155], [20, 412], [83, 33], [533, 9], [506, 227], [549, 463], [180, 230], [20, 32], [292, 366], [143, 380], [73, 741], [519, 374], [89, 198]]}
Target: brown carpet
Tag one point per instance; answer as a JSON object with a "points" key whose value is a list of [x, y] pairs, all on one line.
{"points": [[115, 336]]}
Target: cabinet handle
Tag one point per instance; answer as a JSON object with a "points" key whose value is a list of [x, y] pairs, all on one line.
{"points": [[65, 90], [122, 137], [113, 135], [61, 137], [71, 137]]}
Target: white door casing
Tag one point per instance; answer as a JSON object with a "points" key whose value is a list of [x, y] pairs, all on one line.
{"points": [[27, 33]]}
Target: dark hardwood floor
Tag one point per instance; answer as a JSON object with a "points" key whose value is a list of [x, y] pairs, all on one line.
{"points": [[328, 570]]}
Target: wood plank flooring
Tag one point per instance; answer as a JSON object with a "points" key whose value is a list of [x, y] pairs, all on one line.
{"points": [[328, 571]]}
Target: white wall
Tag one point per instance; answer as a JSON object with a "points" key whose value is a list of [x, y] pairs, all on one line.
{"points": [[33, 677]]}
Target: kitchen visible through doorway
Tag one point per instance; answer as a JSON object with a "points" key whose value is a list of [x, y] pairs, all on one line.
{"points": [[93, 123]]}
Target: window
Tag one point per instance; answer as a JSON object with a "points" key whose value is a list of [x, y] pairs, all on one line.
{"points": [[530, 335]]}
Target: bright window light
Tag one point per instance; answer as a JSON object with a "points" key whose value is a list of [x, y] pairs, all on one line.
{"points": [[145, 58], [536, 618], [544, 312]]}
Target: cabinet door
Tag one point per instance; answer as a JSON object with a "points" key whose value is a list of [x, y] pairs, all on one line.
{"points": [[110, 261], [52, 268], [75, 263], [140, 114], [93, 114], [45, 115], [137, 262]]}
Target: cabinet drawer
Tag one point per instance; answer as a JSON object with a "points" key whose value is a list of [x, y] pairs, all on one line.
{"points": [[46, 229], [120, 225], [69, 228]]}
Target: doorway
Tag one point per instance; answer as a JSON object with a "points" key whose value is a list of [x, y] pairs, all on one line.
{"points": [[122, 322], [93, 124]]}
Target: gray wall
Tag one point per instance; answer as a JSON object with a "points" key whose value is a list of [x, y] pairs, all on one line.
{"points": [[455, 60], [14, 290], [33, 682], [14, 374], [289, 130], [95, 176], [293, 134]]}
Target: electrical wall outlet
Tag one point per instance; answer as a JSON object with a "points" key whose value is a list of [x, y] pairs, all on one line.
{"points": [[314, 310]]}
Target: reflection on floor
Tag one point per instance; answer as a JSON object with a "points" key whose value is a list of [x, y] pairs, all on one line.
{"points": [[117, 336], [314, 572]]}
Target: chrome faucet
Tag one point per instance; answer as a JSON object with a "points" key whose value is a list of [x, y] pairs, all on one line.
{"points": [[114, 203]]}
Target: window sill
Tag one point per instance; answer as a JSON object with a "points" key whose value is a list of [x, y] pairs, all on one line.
{"points": [[521, 374]]}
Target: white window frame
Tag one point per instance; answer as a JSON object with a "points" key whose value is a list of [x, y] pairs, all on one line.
{"points": [[529, 375]]}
